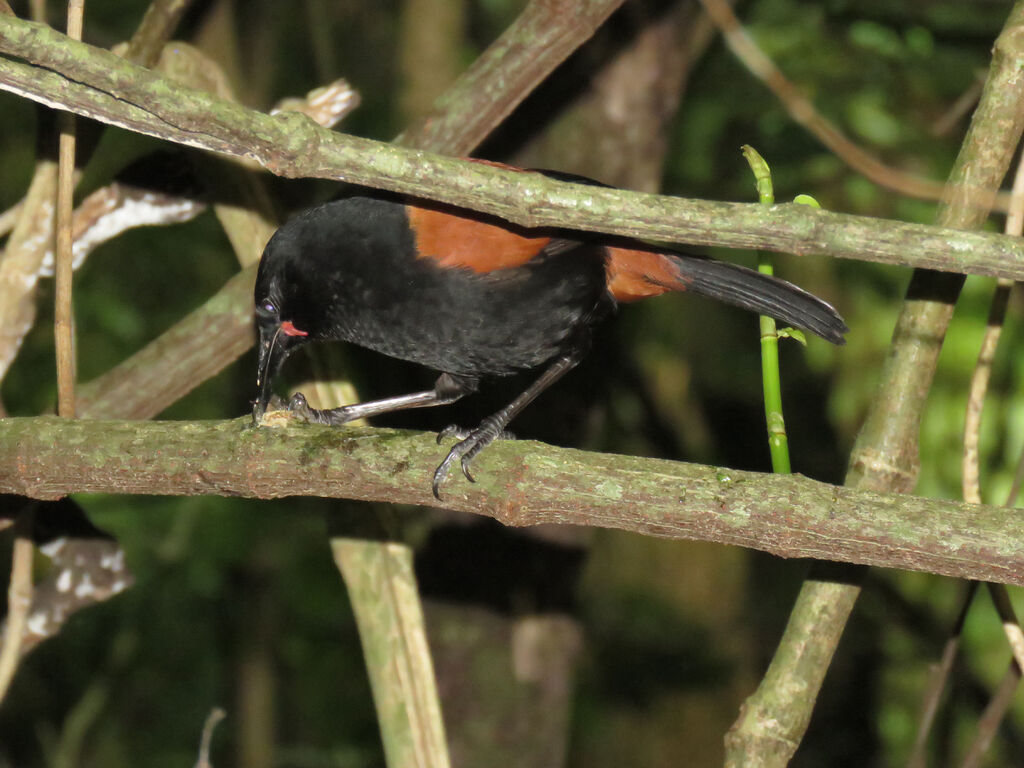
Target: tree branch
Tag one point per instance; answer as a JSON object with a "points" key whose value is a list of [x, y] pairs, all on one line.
{"points": [[194, 349], [94, 83], [539, 40], [520, 483], [157, 26]]}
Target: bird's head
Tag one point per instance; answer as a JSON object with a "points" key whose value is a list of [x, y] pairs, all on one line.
{"points": [[306, 285], [283, 314]]}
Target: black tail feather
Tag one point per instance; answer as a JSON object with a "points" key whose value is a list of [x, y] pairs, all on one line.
{"points": [[764, 294]]}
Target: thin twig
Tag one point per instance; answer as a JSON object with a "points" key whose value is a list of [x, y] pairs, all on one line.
{"points": [[380, 580], [216, 715], [1018, 481], [1008, 617], [938, 678], [19, 598], [155, 30], [803, 112], [19, 267], [970, 461], [959, 109], [993, 716], [64, 315], [990, 341]]}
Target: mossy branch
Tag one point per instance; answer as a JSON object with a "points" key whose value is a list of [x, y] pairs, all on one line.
{"points": [[520, 483], [95, 83]]}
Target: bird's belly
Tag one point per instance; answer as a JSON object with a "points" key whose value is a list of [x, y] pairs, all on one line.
{"points": [[479, 325]]}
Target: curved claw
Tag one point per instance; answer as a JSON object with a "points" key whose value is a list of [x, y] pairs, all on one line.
{"points": [[471, 442], [464, 450], [442, 472]]}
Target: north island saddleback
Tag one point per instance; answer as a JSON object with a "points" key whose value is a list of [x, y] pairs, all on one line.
{"points": [[472, 297]]}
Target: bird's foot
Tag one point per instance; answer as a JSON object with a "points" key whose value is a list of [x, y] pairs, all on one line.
{"points": [[301, 409], [471, 442]]}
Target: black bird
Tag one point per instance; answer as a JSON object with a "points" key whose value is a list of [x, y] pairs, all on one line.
{"points": [[471, 297]]}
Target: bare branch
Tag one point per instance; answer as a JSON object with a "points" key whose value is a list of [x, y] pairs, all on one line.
{"points": [[21, 259], [520, 483], [1010, 622], [195, 349], [95, 83], [216, 715], [63, 319], [19, 600], [543, 36], [157, 26], [382, 588], [994, 714], [970, 468], [937, 678]]}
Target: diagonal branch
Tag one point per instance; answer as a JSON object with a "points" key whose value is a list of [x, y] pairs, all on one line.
{"points": [[803, 112], [157, 26], [194, 349], [539, 40], [88, 81]]}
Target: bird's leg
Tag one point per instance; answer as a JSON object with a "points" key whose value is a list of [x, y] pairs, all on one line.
{"points": [[493, 426], [447, 389]]}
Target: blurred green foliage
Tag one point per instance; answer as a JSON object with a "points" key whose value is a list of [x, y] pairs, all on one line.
{"points": [[669, 655]]}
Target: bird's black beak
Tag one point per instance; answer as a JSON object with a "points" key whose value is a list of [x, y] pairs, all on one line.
{"points": [[274, 347]]}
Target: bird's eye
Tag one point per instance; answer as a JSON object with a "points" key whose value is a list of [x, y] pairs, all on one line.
{"points": [[266, 307]]}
